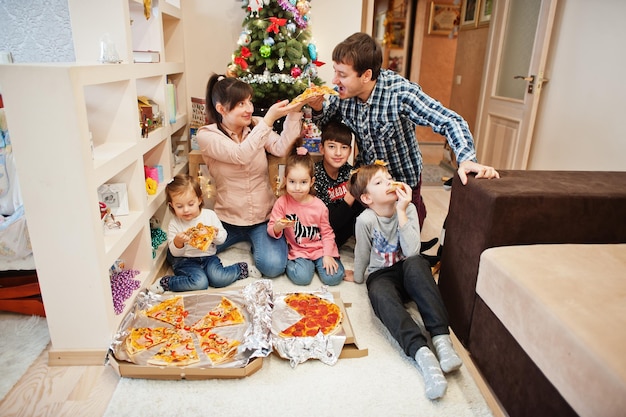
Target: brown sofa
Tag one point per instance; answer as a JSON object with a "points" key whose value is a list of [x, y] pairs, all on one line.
{"points": [[521, 208]]}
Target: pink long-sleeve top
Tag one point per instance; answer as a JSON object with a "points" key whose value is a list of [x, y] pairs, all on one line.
{"points": [[311, 237], [240, 170]]}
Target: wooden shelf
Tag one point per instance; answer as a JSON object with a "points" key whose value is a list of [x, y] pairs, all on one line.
{"points": [[86, 133]]}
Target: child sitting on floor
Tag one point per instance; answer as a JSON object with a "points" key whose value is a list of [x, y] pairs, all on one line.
{"points": [[387, 257], [193, 268], [303, 218], [331, 180]]}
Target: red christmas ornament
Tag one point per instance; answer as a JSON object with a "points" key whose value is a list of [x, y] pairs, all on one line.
{"points": [[245, 52], [295, 72], [241, 62]]}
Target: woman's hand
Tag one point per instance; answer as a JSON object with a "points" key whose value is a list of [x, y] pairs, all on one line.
{"points": [[280, 109]]}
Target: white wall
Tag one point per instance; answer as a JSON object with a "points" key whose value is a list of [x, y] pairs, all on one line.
{"points": [[582, 116], [212, 28]]}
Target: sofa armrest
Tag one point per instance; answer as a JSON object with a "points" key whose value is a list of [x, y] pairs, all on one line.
{"points": [[523, 207]]}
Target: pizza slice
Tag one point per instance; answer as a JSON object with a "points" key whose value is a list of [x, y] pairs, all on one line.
{"points": [[287, 222], [178, 351], [218, 348], [318, 315], [314, 90], [143, 338], [226, 313], [170, 311], [201, 236], [395, 185]]}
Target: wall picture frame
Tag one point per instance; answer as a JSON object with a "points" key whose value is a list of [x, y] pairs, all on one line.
{"points": [[397, 32], [484, 12], [115, 196], [469, 14], [443, 18]]}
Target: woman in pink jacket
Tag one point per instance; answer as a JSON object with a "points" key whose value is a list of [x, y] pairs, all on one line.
{"points": [[234, 147]]}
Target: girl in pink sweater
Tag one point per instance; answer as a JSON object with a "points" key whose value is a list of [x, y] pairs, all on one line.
{"points": [[303, 219]]}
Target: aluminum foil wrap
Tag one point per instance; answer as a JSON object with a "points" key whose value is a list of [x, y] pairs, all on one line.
{"points": [[254, 300], [325, 348]]}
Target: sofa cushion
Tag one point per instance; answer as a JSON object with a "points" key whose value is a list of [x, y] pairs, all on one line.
{"points": [[566, 307], [523, 207]]}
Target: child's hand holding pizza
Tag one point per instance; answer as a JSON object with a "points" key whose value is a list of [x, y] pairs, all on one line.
{"points": [[181, 239], [404, 194], [282, 224]]}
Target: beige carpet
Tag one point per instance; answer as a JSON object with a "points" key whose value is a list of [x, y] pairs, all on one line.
{"points": [[15, 356], [384, 383]]}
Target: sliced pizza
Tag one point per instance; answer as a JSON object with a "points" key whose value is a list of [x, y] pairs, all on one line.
{"points": [[318, 315], [287, 222], [178, 351], [395, 185], [143, 338], [170, 311], [314, 90], [201, 236], [218, 348], [226, 313]]}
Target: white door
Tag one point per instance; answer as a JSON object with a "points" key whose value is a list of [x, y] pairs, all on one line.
{"points": [[517, 49]]}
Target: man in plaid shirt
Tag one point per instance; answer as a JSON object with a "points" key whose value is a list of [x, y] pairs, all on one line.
{"points": [[382, 108]]}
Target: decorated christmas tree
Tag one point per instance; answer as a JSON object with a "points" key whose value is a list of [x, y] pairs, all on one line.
{"points": [[275, 53]]}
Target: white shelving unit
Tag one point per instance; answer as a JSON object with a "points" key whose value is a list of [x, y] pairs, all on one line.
{"points": [[75, 127]]}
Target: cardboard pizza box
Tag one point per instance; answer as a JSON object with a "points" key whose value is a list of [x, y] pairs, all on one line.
{"points": [[131, 370], [351, 348]]}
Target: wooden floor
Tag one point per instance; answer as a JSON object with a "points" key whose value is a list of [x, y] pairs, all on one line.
{"points": [[86, 390]]}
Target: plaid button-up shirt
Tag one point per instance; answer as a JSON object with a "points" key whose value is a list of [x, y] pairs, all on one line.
{"points": [[384, 125]]}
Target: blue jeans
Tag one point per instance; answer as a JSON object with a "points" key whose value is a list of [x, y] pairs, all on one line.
{"points": [[269, 254], [193, 274], [300, 271]]}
